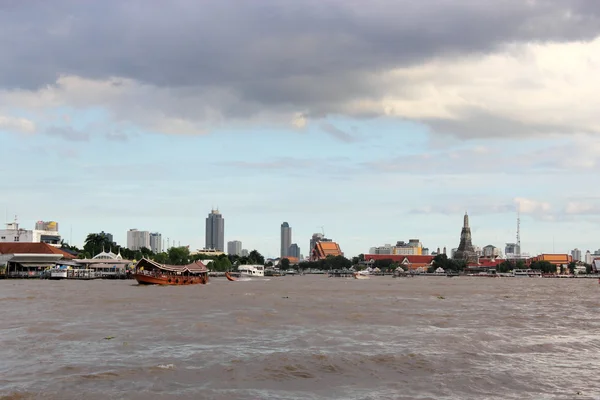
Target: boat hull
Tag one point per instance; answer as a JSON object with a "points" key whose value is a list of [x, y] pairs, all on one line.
{"points": [[229, 277], [144, 279]]}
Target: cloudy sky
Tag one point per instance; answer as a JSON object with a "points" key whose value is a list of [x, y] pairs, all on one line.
{"points": [[374, 123]]}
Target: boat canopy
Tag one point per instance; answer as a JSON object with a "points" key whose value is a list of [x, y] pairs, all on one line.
{"points": [[194, 268]]}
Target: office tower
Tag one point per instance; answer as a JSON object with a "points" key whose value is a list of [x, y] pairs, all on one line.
{"points": [[234, 248], [286, 239], [215, 231], [294, 251]]}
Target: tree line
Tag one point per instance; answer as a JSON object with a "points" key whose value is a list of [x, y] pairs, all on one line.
{"points": [[96, 243]]}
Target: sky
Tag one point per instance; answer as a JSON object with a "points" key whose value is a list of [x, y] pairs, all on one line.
{"points": [[372, 124]]}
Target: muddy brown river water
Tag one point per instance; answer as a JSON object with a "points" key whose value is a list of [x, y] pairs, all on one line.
{"points": [[301, 337]]}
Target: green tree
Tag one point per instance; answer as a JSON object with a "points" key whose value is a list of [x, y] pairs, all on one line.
{"points": [[161, 258], [544, 266], [179, 255], [256, 258], [572, 265], [284, 264], [220, 263], [504, 266]]}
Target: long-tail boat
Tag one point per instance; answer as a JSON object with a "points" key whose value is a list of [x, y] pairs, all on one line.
{"points": [[148, 272], [229, 277]]}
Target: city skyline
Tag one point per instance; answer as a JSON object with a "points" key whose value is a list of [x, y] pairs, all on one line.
{"points": [[398, 122], [123, 241]]}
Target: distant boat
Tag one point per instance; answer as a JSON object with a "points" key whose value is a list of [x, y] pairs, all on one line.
{"points": [[252, 270], [148, 272], [229, 277], [527, 273], [358, 275]]}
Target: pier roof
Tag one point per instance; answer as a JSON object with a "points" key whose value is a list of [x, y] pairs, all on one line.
{"points": [[32, 248]]}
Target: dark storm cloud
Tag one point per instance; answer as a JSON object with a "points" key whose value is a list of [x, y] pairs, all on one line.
{"points": [[253, 45]]}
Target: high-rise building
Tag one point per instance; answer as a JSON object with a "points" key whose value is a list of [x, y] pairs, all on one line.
{"points": [[234, 248], [576, 254], [512, 250], [286, 239], [244, 253], [138, 239], [294, 251], [215, 231], [156, 242]]}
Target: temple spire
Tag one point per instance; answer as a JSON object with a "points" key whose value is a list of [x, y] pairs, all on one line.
{"points": [[466, 221]]}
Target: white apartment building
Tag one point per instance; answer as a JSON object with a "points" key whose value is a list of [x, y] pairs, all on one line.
{"points": [[156, 244], [48, 234], [138, 239]]}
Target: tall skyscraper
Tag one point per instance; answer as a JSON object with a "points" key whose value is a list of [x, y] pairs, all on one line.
{"points": [[286, 239], [138, 239], [215, 231], [234, 248], [156, 242]]}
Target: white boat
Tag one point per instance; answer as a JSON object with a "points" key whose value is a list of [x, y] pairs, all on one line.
{"points": [[58, 273], [359, 275], [527, 273], [252, 270]]}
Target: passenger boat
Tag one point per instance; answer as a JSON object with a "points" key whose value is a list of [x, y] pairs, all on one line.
{"points": [[252, 270], [527, 273], [57, 273], [229, 277], [148, 272]]}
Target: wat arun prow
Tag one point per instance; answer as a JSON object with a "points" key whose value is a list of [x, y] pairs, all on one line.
{"points": [[466, 251]]}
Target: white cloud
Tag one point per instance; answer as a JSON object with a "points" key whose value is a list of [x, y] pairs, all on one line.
{"points": [[539, 87], [582, 208], [299, 120], [529, 206], [16, 124]]}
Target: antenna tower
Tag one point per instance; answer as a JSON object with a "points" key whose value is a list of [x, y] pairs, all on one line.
{"points": [[519, 234]]}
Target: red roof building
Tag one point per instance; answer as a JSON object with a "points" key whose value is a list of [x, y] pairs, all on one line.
{"points": [[322, 250], [33, 248], [412, 262]]}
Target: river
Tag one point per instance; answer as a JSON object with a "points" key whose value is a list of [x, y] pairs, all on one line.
{"points": [[301, 337]]}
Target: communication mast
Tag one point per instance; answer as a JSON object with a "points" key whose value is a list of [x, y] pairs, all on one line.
{"points": [[519, 234]]}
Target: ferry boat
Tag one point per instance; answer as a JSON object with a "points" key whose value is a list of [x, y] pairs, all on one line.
{"points": [[252, 270], [148, 272], [57, 273], [527, 273]]}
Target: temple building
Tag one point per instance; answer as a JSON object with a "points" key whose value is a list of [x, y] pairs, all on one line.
{"points": [[466, 250], [322, 250]]}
